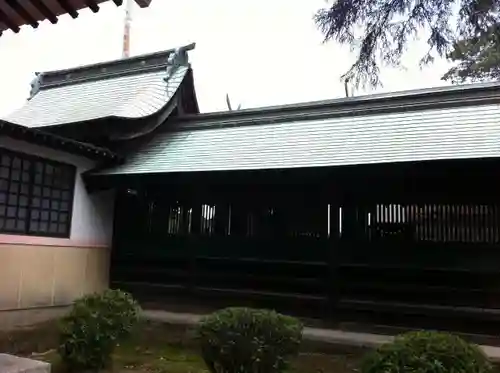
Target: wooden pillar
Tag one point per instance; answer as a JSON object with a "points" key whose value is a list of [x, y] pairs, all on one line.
{"points": [[196, 219], [194, 240], [334, 248], [238, 220], [334, 221], [221, 219], [349, 223]]}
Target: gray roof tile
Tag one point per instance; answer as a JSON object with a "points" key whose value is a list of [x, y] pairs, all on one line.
{"points": [[121, 89], [402, 136]]}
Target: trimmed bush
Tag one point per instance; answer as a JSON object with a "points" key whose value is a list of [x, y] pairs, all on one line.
{"points": [[245, 340], [93, 327], [427, 352]]}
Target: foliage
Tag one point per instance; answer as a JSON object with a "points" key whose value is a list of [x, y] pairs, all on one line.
{"points": [[379, 30], [477, 58], [245, 340], [93, 327], [427, 352]]}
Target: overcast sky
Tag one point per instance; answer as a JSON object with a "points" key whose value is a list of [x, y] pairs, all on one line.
{"points": [[262, 52]]}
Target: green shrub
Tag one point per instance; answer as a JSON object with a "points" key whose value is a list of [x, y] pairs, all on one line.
{"points": [[427, 352], [244, 340], [93, 327]]}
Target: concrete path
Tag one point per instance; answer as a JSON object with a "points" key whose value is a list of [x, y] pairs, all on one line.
{"points": [[339, 337]]}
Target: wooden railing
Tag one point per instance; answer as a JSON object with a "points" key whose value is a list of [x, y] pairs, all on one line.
{"points": [[433, 279]]}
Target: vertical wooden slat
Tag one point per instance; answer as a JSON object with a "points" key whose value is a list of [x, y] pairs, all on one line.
{"points": [[426, 222], [479, 220], [203, 220], [475, 223], [495, 223], [485, 223], [213, 212], [414, 221], [179, 218], [425, 225], [196, 219], [443, 222], [334, 221], [467, 222], [406, 214], [184, 217], [492, 223], [436, 222], [481, 223], [440, 223], [488, 224], [463, 223], [450, 217], [175, 214], [430, 222]]}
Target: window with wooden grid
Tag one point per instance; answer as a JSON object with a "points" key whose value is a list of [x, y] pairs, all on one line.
{"points": [[36, 195]]}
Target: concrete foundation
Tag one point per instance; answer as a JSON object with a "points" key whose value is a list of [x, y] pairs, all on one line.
{"points": [[14, 364]]}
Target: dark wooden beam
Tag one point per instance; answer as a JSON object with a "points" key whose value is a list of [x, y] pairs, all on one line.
{"points": [[23, 13], [118, 2], [143, 3], [92, 5], [68, 8], [47, 13], [8, 22]]}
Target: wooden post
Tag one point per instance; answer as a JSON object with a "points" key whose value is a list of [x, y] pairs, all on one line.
{"points": [[221, 219], [193, 242], [334, 243]]}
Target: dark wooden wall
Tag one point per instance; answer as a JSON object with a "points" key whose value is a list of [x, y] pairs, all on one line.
{"points": [[396, 242]]}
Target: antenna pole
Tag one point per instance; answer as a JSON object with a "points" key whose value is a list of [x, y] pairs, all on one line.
{"points": [[126, 30]]}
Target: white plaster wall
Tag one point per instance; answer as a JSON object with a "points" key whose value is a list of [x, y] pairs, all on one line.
{"points": [[92, 220], [93, 217]]}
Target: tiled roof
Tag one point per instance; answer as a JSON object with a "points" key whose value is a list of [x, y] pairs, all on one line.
{"points": [[348, 132], [130, 88]]}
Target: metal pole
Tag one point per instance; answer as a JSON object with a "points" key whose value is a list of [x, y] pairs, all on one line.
{"points": [[126, 30]]}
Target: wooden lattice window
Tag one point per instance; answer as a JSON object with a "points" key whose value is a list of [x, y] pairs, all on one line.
{"points": [[36, 195]]}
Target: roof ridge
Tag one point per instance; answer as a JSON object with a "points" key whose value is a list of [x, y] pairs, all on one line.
{"points": [[107, 69], [410, 100], [460, 91]]}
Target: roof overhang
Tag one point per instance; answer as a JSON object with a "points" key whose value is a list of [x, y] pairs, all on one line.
{"points": [[16, 13], [42, 138]]}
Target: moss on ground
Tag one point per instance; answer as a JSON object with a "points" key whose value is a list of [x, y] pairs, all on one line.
{"points": [[157, 348]]}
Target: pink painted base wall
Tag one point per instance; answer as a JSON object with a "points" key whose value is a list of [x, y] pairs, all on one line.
{"points": [[34, 275]]}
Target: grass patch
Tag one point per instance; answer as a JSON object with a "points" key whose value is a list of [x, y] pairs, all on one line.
{"points": [[158, 348]]}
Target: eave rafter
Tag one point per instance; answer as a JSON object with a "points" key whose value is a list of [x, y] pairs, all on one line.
{"points": [[68, 8], [16, 13]]}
